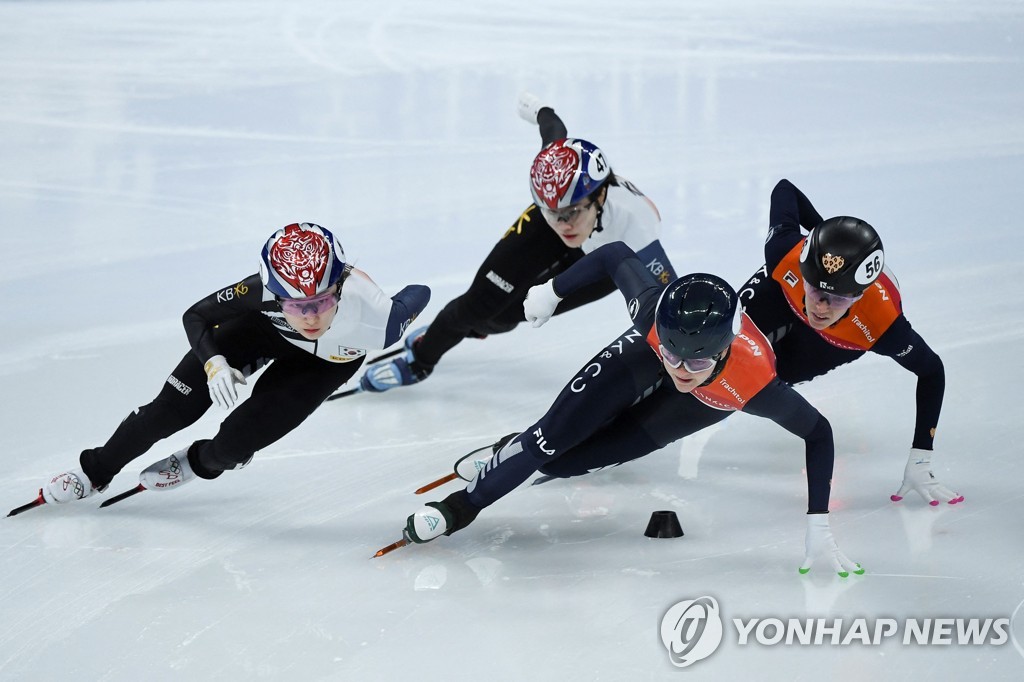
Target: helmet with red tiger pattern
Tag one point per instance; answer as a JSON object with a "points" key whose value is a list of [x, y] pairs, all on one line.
{"points": [[301, 260], [566, 172]]}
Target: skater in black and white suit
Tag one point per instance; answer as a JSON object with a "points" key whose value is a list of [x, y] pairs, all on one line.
{"points": [[308, 314], [579, 204]]}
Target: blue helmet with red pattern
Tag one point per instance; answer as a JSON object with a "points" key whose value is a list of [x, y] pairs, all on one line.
{"points": [[301, 260], [566, 172]]}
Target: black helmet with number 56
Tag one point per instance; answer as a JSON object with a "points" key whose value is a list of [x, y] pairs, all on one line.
{"points": [[698, 316], [842, 255]]}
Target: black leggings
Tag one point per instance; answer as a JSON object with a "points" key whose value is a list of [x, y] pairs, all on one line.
{"points": [[648, 426], [293, 385], [617, 408]]}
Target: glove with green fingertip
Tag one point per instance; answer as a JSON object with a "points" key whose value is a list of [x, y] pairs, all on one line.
{"points": [[821, 545]]}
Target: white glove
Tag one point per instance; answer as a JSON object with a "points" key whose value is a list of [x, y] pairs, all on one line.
{"points": [[918, 476], [820, 544], [528, 105], [221, 378], [540, 303]]}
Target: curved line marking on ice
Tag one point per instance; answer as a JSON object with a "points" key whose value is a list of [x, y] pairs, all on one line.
{"points": [[1013, 637]]}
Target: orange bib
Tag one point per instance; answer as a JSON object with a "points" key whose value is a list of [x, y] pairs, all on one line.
{"points": [[866, 320], [748, 369]]}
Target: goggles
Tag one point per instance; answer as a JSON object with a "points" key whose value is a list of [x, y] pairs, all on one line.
{"points": [[565, 215], [691, 365], [833, 300], [314, 305]]}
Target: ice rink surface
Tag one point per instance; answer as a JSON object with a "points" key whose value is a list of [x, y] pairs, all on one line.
{"points": [[151, 147]]}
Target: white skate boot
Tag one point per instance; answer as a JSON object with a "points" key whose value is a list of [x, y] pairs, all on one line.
{"points": [[173, 472], [453, 513], [428, 523], [468, 466], [68, 486]]}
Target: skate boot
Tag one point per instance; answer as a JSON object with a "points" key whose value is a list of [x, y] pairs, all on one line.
{"points": [[468, 466], [428, 523], [166, 474], [68, 486], [172, 472], [402, 371], [453, 513]]}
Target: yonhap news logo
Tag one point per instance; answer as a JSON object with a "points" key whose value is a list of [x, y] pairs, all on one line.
{"points": [[693, 629]]}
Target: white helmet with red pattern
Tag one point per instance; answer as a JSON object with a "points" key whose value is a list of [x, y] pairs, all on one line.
{"points": [[301, 260], [566, 172]]}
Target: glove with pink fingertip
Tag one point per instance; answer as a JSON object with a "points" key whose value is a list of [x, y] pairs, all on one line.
{"points": [[918, 476]]}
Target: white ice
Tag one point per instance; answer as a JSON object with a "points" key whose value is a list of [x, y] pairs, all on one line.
{"points": [[150, 147]]}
